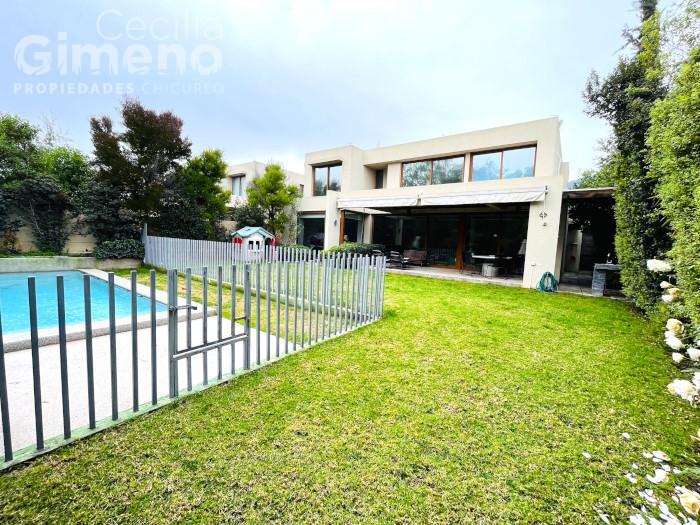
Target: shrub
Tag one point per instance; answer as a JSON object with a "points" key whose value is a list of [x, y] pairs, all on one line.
{"points": [[297, 247], [359, 248], [675, 147], [120, 249]]}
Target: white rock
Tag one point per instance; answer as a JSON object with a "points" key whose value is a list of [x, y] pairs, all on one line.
{"points": [[631, 478], [694, 353], [677, 357], [626, 435], [664, 285], [586, 455]]}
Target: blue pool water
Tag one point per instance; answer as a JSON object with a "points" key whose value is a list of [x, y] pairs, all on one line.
{"points": [[14, 300]]}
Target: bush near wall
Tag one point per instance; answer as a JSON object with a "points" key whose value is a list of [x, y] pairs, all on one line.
{"points": [[120, 249], [674, 140], [359, 248]]}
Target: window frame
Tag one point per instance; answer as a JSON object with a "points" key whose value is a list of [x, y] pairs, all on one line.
{"points": [[430, 173], [500, 167], [328, 167]]}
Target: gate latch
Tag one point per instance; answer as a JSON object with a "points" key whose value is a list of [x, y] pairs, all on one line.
{"points": [[182, 307]]}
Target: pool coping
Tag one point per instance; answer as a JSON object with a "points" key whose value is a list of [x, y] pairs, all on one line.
{"points": [[49, 336]]}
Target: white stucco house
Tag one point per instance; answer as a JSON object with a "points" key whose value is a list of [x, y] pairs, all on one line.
{"points": [[489, 196]]}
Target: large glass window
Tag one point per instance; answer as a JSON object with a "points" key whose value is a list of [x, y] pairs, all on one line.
{"points": [[416, 173], [334, 173], [486, 166], [311, 230], [352, 227], [438, 171], [519, 163], [504, 164], [446, 171], [327, 178]]}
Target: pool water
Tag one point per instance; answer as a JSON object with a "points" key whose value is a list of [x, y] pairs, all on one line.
{"points": [[14, 300]]}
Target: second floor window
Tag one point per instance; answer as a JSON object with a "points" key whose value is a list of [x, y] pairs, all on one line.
{"points": [[237, 185], [437, 171], [327, 178], [505, 164]]}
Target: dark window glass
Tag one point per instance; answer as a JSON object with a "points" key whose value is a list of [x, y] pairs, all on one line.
{"points": [[320, 180], [518, 163], [334, 173], [446, 171], [311, 231], [379, 179], [416, 173]]}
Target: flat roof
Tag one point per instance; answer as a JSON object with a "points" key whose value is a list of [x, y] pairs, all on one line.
{"points": [[588, 193]]}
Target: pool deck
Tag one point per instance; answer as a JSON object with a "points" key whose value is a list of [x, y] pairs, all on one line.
{"points": [[20, 385]]}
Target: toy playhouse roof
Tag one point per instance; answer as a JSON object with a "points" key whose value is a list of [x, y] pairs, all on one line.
{"points": [[247, 231]]}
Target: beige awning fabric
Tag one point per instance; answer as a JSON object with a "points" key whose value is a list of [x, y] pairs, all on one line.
{"points": [[378, 202], [490, 197]]}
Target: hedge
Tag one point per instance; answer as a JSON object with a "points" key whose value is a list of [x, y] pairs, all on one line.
{"points": [[120, 249], [360, 248], [674, 140]]}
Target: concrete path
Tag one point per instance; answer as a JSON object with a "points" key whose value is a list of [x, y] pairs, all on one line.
{"points": [[20, 385]]}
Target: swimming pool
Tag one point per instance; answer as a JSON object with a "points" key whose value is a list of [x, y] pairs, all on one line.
{"points": [[14, 300]]}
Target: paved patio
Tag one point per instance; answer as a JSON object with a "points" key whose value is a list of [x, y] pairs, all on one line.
{"points": [[456, 275]]}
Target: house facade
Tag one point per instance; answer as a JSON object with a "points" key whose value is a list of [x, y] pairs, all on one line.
{"points": [[239, 175], [492, 196]]}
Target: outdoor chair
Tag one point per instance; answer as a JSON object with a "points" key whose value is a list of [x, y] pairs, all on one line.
{"points": [[416, 257], [396, 259]]}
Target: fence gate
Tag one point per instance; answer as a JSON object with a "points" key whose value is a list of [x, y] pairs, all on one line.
{"points": [[177, 351]]}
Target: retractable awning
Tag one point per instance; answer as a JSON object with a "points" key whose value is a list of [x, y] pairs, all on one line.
{"points": [[490, 197], [378, 202]]}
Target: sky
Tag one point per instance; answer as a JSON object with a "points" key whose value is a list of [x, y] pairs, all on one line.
{"points": [[270, 80]]}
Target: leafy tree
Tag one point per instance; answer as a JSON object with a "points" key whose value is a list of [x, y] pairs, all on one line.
{"points": [[195, 202], [106, 215], [18, 149], [71, 169], [141, 160], [246, 215], [675, 145], [273, 196], [41, 202], [625, 99]]}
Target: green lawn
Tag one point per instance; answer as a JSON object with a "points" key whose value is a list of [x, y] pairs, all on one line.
{"points": [[466, 403]]}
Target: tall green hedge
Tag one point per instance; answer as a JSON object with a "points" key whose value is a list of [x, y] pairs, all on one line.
{"points": [[675, 162]]}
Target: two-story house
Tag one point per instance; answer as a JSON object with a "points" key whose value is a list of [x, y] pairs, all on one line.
{"points": [[459, 201]]}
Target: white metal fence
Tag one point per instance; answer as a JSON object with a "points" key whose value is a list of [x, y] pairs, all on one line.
{"points": [[275, 302]]}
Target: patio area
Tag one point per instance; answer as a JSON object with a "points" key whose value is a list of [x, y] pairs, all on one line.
{"points": [[452, 274]]}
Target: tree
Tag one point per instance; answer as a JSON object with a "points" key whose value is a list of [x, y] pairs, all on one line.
{"points": [[625, 99], [140, 161], [18, 149], [674, 140], [273, 196], [71, 170], [195, 201], [246, 215], [41, 202]]}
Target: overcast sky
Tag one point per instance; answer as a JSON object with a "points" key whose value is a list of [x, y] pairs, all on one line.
{"points": [[272, 80]]}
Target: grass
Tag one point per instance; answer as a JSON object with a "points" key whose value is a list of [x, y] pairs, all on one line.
{"points": [[466, 403]]}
